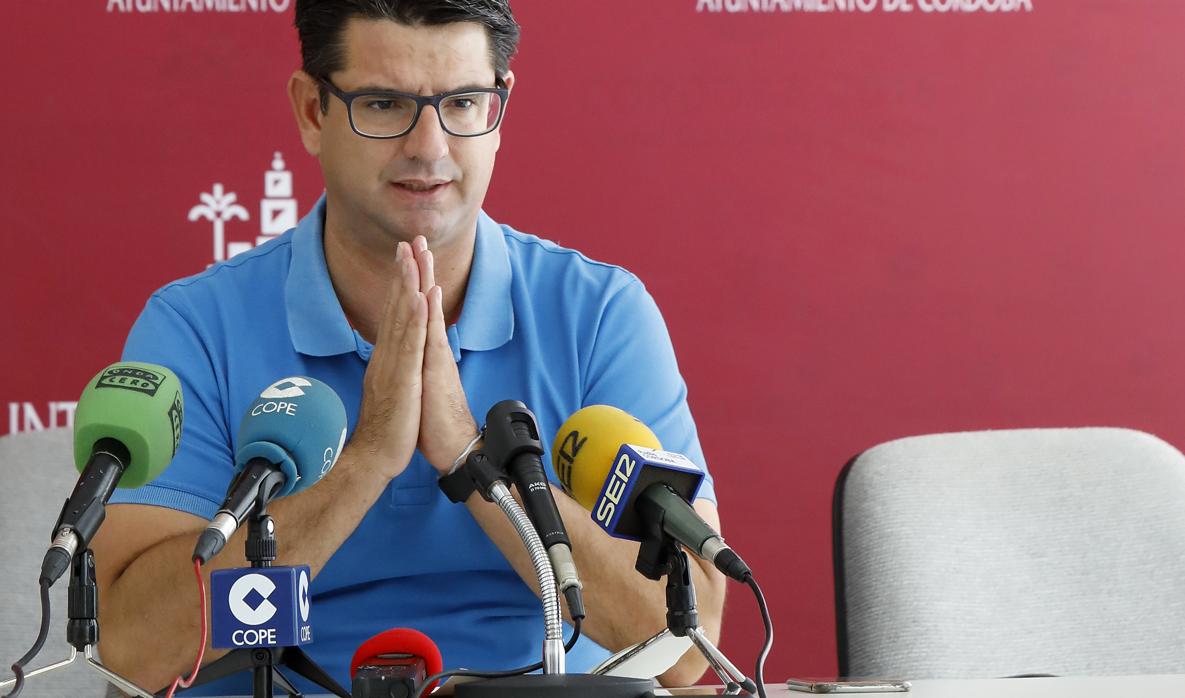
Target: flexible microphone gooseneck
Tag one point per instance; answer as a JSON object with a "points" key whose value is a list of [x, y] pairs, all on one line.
{"points": [[490, 481]]}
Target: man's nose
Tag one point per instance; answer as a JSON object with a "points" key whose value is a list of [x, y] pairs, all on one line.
{"points": [[427, 141]]}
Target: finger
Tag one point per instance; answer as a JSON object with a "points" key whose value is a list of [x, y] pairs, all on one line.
{"points": [[425, 262], [411, 363], [403, 354], [393, 292], [446, 422], [437, 341], [391, 322], [409, 306], [411, 271], [440, 367]]}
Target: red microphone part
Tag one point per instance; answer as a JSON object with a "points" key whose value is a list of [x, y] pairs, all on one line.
{"points": [[399, 641]]}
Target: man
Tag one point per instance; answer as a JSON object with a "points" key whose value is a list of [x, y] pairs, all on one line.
{"points": [[421, 312]]}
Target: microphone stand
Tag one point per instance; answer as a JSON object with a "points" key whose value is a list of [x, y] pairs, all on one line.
{"points": [[82, 630], [491, 482], [265, 662], [553, 643], [661, 555]]}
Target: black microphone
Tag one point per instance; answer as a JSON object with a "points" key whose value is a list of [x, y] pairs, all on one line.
{"points": [[660, 504], [512, 442]]}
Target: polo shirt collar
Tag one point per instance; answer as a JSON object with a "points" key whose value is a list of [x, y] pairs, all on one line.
{"points": [[316, 320], [487, 318], [318, 324]]}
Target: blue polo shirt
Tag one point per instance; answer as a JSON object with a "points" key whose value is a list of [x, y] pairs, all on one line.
{"points": [[540, 323]]}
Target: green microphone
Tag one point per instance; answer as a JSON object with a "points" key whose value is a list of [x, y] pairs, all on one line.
{"points": [[127, 427]]}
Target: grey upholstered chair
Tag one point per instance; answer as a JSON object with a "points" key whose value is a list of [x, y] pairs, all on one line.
{"points": [[1001, 553], [36, 476]]}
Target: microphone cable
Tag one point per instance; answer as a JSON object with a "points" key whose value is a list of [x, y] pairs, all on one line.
{"points": [[435, 678], [769, 634], [197, 665], [18, 669]]}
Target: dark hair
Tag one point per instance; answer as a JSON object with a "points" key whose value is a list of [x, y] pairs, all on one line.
{"points": [[320, 24]]}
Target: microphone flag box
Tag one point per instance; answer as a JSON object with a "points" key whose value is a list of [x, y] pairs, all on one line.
{"points": [[260, 607], [634, 469]]}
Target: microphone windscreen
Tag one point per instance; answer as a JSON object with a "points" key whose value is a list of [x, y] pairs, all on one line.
{"points": [[586, 447], [138, 405], [298, 423], [399, 641]]}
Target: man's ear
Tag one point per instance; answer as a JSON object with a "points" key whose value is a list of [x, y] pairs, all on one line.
{"points": [[508, 81], [304, 93]]}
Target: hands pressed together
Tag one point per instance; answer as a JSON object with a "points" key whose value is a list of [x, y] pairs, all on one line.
{"points": [[412, 395]]}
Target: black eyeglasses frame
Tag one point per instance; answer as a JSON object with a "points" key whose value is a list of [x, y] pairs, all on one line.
{"points": [[421, 101]]}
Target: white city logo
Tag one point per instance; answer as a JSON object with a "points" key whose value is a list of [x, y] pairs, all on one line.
{"points": [[303, 595], [277, 210], [218, 207], [242, 588], [286, 388]]}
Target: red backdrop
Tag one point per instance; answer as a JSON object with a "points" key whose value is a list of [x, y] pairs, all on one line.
{"points": [[860, 225]]}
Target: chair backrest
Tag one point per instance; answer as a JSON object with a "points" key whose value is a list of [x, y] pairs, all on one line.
{"points": [[36, 476], [1001, 553]]}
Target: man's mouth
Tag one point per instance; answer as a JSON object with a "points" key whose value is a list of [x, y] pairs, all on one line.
{"points": [[420, 186]]}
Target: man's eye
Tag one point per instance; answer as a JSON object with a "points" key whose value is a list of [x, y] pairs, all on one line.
{"points": [[383, 105], [462, 103]]}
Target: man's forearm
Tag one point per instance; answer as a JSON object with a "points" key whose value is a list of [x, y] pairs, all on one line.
{"points": [[623, 607], [149, 611]]}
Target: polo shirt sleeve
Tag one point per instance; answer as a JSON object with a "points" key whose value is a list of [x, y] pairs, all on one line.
{"points": [[632, 366], [195, 481]]}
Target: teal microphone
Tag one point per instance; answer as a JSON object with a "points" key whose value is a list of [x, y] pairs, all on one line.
{"points": [[127, 427], [289, 439]]}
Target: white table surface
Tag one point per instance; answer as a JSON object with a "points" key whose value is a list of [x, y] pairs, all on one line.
{"points": [[1062, 687]]}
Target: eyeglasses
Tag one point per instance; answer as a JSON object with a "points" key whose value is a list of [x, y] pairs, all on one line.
{"points": [[468, 112]]}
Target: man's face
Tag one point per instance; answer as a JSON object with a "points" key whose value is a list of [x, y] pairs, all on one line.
{"points": [[426, 182]]}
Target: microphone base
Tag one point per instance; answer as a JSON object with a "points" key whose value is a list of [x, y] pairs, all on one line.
{"points": [[559, 686], [264, 664]]}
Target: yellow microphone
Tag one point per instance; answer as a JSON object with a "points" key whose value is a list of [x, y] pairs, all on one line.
{"points": [[586, 447], [613, 465]]}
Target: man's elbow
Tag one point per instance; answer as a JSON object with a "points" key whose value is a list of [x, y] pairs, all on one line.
{"points": [[710, 590], [122, 647], [686, 672], [120, 657]]}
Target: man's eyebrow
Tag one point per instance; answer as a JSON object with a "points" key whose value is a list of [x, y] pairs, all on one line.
{"points": [[388, 88]]}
